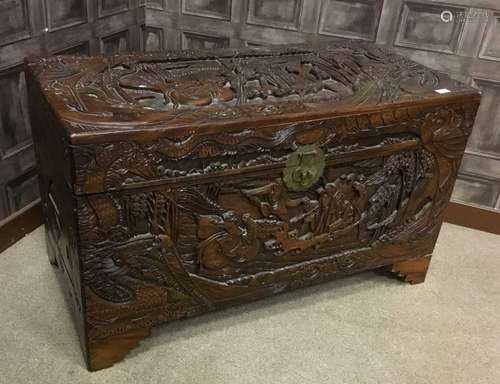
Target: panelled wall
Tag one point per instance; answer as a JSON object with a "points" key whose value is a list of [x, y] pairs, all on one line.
{"points": [[461, 37], [42, 27]]}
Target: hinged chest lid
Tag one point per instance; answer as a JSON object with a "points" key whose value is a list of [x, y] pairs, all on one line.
{"points": [[154, 109], [96, 96]]}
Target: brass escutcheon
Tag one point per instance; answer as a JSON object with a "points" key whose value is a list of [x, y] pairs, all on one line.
{"points": [[304, 168]]}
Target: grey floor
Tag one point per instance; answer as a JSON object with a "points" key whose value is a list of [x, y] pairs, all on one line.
{"points": [[363, 329]]}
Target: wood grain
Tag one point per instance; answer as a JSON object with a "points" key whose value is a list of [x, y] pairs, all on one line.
{"points": [[474, 217], [411, 271]]}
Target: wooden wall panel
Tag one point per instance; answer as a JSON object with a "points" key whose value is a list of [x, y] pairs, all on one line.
{"points": [[16, 151], [15, 129], [65, 13], [197, 41], [152, 39], [421, 27], [357, 19], [14, 21], [219, 9], [476, 190], [490, 48], [460, 37], [275, 13], [118, 42], [111, 7]]}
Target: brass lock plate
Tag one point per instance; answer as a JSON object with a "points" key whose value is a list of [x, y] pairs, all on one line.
{"points": [[304, 168]]}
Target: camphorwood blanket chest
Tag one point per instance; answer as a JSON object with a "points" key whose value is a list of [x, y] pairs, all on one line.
{"points": [[182, 182]]}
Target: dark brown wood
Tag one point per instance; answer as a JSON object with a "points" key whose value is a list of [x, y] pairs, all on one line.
{"points": [[411, 271], [180, 183], [473, 217], [114, 348], [15, 227]]}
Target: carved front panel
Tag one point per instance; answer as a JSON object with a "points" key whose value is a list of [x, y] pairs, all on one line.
{"points": [[218, 234]]}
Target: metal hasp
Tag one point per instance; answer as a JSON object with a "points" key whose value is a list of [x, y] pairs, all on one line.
{"points": [[304, 168]]}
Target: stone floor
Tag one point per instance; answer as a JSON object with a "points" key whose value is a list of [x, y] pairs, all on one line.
{"points": [[363, 329]]}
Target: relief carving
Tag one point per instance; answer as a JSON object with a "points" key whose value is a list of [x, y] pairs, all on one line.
{"points": [[275, 228], [193, 181], [176, 88], [239, 235]]}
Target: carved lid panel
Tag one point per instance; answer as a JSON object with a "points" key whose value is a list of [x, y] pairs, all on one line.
{"points": [[162, 91]]}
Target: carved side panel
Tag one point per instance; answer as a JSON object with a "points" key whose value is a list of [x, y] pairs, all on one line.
{"points": [[53, 157], [351, 19], [421, 27], [14, 21]]}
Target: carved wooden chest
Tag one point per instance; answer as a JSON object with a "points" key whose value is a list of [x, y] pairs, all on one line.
{"points": [[177, 183]]}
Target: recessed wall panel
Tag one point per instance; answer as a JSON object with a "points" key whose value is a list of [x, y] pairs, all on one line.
{"points": [[14, 21], [490, 48], [65, 13], [351, 18], [275, 13], [22, 190], [110, 7], [422, 27], [196, 41], [15, 128], [220, 9], [152, 39], [78, 49], [115, 43], [470, 189]]}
